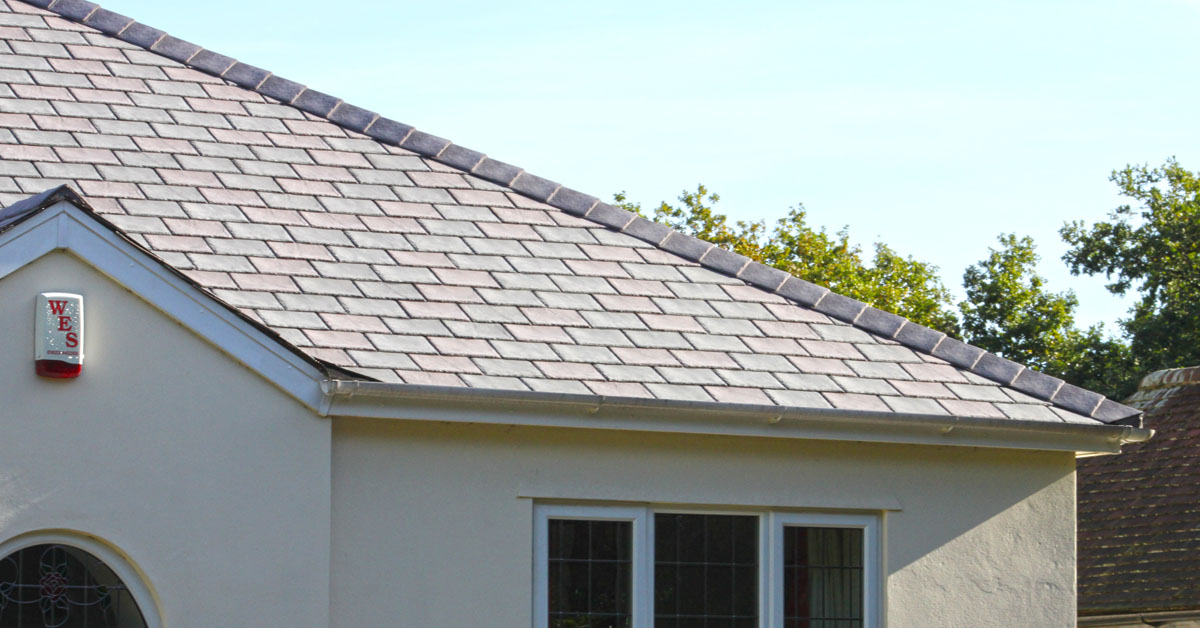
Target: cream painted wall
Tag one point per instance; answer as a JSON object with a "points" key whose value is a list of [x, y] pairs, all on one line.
{"points": [[214, 483], [432, 523]]}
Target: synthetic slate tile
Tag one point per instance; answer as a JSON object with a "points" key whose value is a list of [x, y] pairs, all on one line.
{"points": [[279, 208]]}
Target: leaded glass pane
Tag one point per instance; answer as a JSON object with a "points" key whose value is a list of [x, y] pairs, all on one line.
{"points": [[822, 577], [590, 573], [705, 571], [57, 586]]}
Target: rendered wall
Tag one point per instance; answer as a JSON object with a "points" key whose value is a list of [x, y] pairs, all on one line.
{"points": [[432, 523], [209, 479]]}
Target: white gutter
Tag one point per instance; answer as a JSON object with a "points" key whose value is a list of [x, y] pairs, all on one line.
{"points": [[354, 398], [1161, 618]]}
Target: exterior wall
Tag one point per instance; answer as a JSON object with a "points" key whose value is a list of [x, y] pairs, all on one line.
{"points": [[208, 479], [432, 523], [218, 488]]}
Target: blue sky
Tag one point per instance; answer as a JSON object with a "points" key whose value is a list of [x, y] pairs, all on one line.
{"points": [[931, 126]]}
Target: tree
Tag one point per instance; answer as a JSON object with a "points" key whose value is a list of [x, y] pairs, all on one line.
{"points": [[889, 281], [1009, 311], [1154, 250]]}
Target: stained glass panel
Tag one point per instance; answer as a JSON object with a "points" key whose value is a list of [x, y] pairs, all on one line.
{"points": [[57, 586]]}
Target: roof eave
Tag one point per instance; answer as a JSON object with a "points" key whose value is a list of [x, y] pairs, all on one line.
{"points": [[379, 400]]}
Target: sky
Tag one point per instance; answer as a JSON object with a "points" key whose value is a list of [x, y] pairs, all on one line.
{"points": [[930, 126]]}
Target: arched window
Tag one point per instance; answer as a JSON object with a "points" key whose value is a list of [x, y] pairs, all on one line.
{"points": [[59, 586]]}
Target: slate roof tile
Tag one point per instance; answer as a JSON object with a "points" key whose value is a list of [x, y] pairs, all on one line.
{"points": [[856, 401], [407, 258]]}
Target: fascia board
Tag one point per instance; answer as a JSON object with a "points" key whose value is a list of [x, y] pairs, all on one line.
{"points": [[442, 404], [65, 227], [26, 242]]}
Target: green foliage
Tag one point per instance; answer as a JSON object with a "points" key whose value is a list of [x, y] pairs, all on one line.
{"points": [[1152, 248], [1009, 311], [889, 281]]}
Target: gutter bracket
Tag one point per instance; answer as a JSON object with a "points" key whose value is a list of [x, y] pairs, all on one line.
{"points": [[328, 390]]}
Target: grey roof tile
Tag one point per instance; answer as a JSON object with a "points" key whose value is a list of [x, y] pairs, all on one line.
{"points": [[733, 394], [808, 381], [303, 320], [914, 405], [934, 373], [824, 349], [752, 379], [694, 376], [958, 407], [841, 333], [471, 329], [378, 245], [864, 385], [855, 401], [500, 367], [798, 398], [524, 350], [556, 386], [763, 362], [823, 366], [974, 392], [681, 392], [887, 353], [710, 359], [887, 370], [1027, 412]]}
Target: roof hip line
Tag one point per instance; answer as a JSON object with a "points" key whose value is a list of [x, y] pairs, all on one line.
{"points": [[385, 130]]}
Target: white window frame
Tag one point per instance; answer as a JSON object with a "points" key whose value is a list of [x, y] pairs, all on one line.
{"points": [[872, 558], [770, 560], [642, 581]]}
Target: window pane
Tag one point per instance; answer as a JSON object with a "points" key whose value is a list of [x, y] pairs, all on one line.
{"points": [[590, 573], [705, 571], [64, 587], [822, 577]]}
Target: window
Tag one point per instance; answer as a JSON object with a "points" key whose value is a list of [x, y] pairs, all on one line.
{"points": [[60, 586], [618, 567]]}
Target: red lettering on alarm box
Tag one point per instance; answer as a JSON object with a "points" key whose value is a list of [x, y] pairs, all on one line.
{"points": [[64, 323], [57, 307]]}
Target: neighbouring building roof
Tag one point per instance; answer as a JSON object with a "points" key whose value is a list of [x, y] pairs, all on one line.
{"points": [[405, 258], [1139, 513]]}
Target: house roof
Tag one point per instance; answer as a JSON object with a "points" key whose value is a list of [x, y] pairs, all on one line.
{"points": [[403, 257], [1139, 523], [13, 215]]}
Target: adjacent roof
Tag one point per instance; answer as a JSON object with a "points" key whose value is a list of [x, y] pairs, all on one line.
{"points": [[1139, 513], [405, 258]]}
